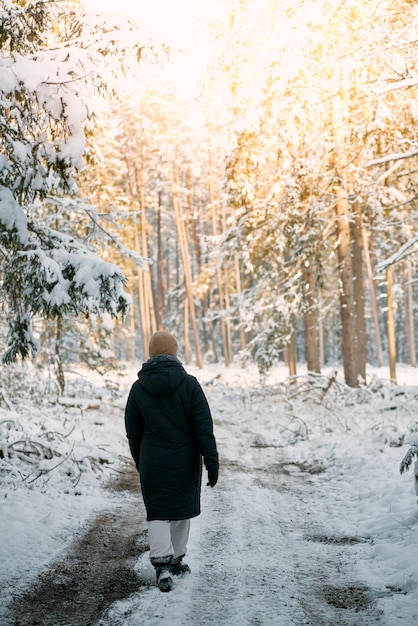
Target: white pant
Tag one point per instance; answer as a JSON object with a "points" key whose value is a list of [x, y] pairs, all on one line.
{"points": [[168, 537]]}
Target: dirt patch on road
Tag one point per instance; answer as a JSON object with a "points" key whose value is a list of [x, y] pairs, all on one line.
{"points": [[348, 597], [97, 571], [337, 540]]}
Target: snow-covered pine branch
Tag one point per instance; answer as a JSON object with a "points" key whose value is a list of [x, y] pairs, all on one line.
{"points": [[57, 274], [405, 83], [394, 156], [405, 250], [52, 61], [409, 456]]}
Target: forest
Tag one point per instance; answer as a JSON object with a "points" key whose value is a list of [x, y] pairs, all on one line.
{"points": [[256, 195]]}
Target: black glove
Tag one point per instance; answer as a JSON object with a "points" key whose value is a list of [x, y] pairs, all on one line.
{"points": [[212, 477]]}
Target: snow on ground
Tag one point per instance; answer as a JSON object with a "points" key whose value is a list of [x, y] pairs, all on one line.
{"points": [[310, 501]]}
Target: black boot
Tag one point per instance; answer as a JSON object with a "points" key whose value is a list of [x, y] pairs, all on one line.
{"points": [[162, 570], [177, 568]]}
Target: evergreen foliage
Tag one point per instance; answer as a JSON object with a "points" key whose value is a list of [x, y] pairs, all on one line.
{"points": [[293, 169], [49, 60]]}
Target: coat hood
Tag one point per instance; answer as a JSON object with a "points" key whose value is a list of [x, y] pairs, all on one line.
{"points": [[161, 375]]}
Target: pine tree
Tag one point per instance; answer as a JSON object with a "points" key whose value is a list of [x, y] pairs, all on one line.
{"points": [[49, 267], [315, 97]]}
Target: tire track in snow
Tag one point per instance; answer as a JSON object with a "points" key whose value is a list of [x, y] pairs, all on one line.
{"points": [[255, 561], [242, 567], [327, 559], [246, 561]]}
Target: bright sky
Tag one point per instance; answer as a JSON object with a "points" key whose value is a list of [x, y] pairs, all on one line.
{"points": [[174, 20], [180, 24]]}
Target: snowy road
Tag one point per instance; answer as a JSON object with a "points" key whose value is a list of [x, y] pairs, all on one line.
{"points": [[254, 562], [309, 524]]}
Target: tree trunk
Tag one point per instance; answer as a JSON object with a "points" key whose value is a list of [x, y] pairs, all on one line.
{"points": [[310, 319], [358, 279], [292, 354], [226, 295], [220, 283], [148, 295], [242, 340], [130, 339], [133, 333], [347, 304], [228, 328], [373, 299], [59, 368], [391, 325], [133, 175], [186, 331], [321, 343], [213, 342], [191, 221], [141, 301], [182, 239], [409, 312], [159, 310]]}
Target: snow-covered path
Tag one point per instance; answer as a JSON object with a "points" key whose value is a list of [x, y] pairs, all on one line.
{"points": [[242, 566], [248, 565], [310, 522], [254, 563]]}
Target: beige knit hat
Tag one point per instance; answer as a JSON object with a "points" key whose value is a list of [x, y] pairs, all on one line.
{"points": [[162, 342]]}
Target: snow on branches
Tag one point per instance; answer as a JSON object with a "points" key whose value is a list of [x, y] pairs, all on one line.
{"points": [[50, 446], [49, 73], [409, 457]]}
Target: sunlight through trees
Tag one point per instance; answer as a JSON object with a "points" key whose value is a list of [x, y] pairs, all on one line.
{"points": [[256, 186]]}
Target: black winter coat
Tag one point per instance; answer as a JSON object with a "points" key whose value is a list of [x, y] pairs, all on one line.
{"points": [[169, 428]]}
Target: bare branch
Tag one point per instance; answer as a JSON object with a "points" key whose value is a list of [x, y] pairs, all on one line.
{"points": [[395, 156], [403, 252], [399, 84]]}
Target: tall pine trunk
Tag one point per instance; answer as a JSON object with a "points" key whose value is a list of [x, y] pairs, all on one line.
{"points": [[358, 278], [143, 317], [220, 282], [310, 319], [391, 324], [58, 364], [409, 312], [148, 295], [242, 339], [291, 352], [373, 298], [184, 252], [159, 308], [343, 233], [347, 302]]}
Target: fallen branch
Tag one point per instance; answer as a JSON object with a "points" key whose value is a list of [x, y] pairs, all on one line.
{"points": [[32, 448], [44, 471]]}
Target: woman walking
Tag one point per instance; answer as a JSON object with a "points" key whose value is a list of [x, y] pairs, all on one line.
{"points": [[169, 427]]}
